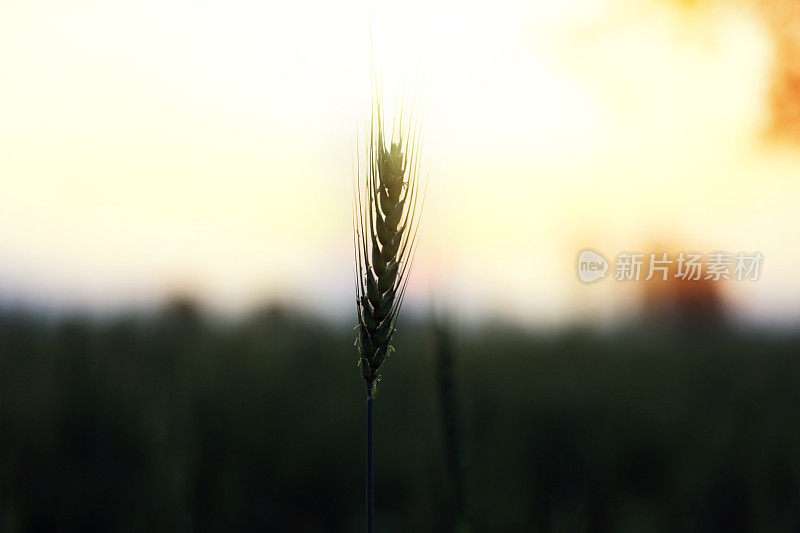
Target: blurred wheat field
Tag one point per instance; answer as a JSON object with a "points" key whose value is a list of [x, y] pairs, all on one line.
{"points": [[175, 423]]}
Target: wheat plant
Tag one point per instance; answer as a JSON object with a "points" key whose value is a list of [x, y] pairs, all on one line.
{"points": [[387, 207]]}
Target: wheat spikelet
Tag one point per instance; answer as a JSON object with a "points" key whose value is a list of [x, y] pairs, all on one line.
{"points": [[388, 205]]}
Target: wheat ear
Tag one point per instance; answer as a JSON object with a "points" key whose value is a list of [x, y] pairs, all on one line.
{"points": [[387, 211], [388, 206]]}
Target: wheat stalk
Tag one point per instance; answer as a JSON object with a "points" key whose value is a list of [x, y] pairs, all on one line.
{"points": [[387, 208]]}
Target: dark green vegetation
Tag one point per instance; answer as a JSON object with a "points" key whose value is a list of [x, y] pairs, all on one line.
{"points": [[172, 425]]}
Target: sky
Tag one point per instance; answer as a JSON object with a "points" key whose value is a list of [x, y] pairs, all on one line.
{"points": [[153, 148]]}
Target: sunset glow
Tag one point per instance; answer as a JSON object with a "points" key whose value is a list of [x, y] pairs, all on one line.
{"points": [[205, 147]]}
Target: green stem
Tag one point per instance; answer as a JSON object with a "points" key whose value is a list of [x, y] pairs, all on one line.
{"points": [[370, 461]]}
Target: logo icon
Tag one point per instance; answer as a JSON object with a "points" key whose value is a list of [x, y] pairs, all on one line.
{"points": [[591, 266]]}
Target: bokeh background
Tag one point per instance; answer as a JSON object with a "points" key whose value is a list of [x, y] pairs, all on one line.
{"points": [[176, 278]]}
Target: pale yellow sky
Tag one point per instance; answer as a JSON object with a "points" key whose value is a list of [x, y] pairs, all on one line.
{"points": [[147, 147]]}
